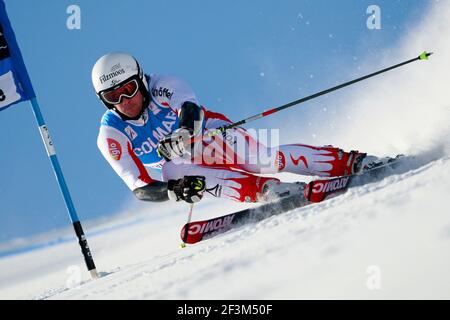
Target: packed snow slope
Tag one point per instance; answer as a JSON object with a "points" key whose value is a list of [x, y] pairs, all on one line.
{"points": [[387, 239]]}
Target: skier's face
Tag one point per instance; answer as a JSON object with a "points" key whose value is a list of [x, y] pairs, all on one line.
{"points": [[131, 107]]}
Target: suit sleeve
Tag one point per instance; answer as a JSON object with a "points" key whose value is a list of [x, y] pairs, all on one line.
{"points": [[117, 150], [172, 92]]}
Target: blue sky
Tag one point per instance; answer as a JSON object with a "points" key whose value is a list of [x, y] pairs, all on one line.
{"points": [[241, 57]]}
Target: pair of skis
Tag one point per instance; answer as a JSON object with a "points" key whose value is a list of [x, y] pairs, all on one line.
{"points": [[315, 191]]}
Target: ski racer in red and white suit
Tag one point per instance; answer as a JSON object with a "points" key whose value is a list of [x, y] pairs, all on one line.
{"points": [[143, 137]]}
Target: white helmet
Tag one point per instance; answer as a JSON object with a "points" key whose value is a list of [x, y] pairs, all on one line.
{"points": [[114, 69]]}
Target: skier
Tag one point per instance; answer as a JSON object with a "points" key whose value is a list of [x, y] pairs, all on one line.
{"points": [[146, 133]]}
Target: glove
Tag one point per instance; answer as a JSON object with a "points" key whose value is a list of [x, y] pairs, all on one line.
{"points": [[174, 144], [189, 189]]}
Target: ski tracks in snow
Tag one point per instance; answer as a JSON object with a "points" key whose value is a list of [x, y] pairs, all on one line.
{"points": [[222, 267]]}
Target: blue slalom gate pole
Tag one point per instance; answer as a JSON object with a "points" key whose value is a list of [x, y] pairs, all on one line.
{"points": [[15, 87], [64, 190]]}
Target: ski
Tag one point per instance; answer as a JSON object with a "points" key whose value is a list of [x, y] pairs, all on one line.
{"points": [[315, 191]]}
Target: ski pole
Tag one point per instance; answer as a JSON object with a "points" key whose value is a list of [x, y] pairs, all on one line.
{"points": [[213, 132], [191, 207]]}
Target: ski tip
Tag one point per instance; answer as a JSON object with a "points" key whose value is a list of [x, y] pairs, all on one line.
{"points": [[424, 55], [183, 245]]}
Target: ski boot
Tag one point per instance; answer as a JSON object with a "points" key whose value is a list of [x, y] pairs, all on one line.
{"points": [[363, 162], [371, 162]]}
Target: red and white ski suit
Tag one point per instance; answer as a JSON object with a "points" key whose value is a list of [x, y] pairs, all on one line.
{"points": [[231, 162]]}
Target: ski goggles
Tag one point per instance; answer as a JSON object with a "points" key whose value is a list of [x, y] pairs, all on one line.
{"points": [[115, 95]]}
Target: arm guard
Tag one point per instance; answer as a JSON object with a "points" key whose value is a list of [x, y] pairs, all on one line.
{"points": [[155, 191], [191, 117]]}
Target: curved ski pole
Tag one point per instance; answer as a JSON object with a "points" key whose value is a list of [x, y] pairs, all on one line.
{"points": [[423, 56], [191, 208]]}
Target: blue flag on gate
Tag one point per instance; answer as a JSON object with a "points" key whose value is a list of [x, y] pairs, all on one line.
{"points": [[15, 84]]}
